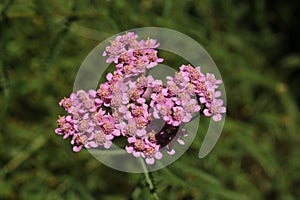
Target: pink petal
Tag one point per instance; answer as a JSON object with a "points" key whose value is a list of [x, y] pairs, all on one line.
{"points": [[218, 102], [122, 109], [136, 154], [186, 79], [222, 109], [168, 119], [77, 148], [187, 117], [66, 136], [129, 149], [156, 115], [116, 132], [109, 76], [141, 133], [98, 101], [217, 94], [85, 116], [218, 82], [141, 100], [93, 109], [106, 104], [90, 129], [125, 98], [176, 123], [197, 108], [206, 112], [92, 93], [128, 116], [153, 96], [171, 152], [180, 141], [109, 137], [69, 118], [107, 144], [158, 155], [58, 131], [131, 139], [91, 144], [202, 100], [160, 60], [217, 117], [121, 125], [164, 92], [150, 161]]}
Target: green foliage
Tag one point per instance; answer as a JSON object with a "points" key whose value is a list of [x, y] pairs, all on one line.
{"points": [[256, 47]]}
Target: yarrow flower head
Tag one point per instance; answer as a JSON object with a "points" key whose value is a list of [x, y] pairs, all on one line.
{"points": [[132, 57], [138, 107]]}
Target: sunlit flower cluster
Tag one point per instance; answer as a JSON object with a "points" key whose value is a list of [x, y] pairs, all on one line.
{"points": [[137, 106]]}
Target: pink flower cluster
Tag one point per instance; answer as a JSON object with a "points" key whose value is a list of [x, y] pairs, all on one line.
{"points": [[132, 57], [136, 106]]}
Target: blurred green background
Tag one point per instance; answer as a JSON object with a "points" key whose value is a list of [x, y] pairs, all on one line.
{"points": [[255, 45]]}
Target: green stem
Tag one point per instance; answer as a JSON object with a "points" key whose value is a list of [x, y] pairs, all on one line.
{"points": [[149, 180]]}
